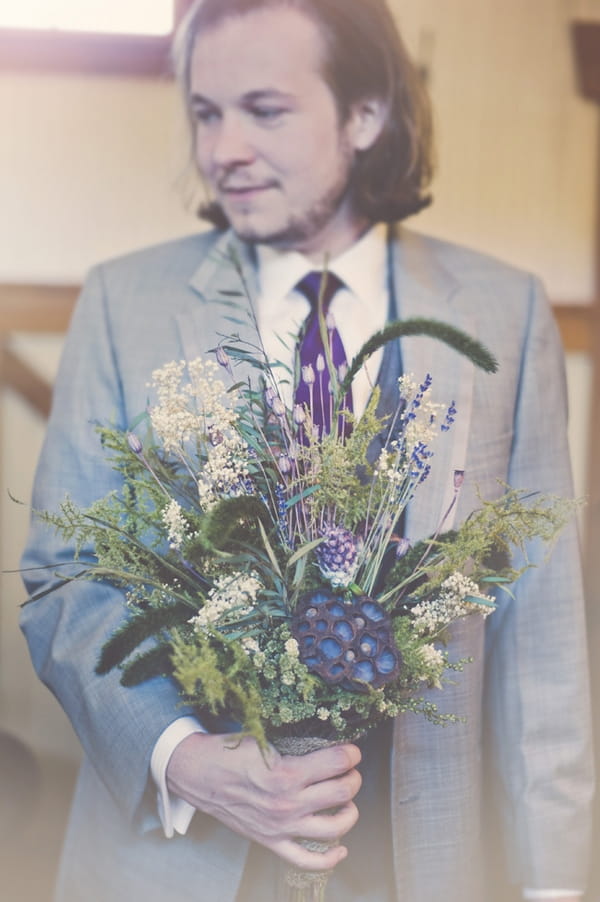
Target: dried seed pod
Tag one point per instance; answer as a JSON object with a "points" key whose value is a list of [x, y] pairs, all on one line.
{"points": [[346, 642]]}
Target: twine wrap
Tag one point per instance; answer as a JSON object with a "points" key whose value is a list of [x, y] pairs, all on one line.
{"points": [[306, 886]]}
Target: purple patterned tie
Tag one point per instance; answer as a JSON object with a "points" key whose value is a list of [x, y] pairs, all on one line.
{"points": [[313, 384]]}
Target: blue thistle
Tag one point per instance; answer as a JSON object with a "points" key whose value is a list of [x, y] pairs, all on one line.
{"points": [[337, 556]]}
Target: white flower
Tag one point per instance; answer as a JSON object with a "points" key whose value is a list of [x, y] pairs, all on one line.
{"points": [[292, 648], [322, 713], [432, 656], [452, 602], [250, 645], [193, 406], [232, 597], [174, 520], [225, 469]]}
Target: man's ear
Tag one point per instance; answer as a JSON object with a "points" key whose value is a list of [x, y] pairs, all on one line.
{"points": [[366, 120]]}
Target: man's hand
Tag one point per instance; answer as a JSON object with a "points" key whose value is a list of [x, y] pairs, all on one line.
{"points": [[271, 799]]}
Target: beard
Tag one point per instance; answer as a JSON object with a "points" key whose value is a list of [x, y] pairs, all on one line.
{"points": [[300, 229]]}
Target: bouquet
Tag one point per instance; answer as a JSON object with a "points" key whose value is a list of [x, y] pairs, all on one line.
{"points": [[264, 563]]}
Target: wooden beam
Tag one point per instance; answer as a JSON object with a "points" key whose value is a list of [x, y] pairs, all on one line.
{"points": [[103, 54], [36, 308], [48, 308], [17, 375], [586, 40], [576, 323]]}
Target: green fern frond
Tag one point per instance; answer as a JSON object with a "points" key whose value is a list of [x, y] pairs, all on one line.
{"points": [[137, 630], [454, 338], [153, 663]]}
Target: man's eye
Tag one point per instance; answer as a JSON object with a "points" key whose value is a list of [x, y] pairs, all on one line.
{"points": [[205, 115], [267, 113]]}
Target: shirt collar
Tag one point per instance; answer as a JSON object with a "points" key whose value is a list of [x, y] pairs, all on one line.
{"points": [[362, 267]]}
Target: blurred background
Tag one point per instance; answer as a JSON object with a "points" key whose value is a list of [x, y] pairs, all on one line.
{"points": [[93, 158]]}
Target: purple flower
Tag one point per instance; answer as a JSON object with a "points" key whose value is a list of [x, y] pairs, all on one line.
{"points": [[223, 358], [134, 443], [337, 555], [402, 547]]}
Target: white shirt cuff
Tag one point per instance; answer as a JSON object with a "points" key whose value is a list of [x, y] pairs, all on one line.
{"points": [[550, 893], [175, 813]]}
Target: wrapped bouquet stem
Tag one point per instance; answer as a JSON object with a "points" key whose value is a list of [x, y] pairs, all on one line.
{"points": [[305, 886]]}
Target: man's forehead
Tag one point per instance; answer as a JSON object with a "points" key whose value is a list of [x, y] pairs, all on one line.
{"points": [[280, 43]]}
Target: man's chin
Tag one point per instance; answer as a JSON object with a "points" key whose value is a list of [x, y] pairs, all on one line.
{"points": [[283, 238]]}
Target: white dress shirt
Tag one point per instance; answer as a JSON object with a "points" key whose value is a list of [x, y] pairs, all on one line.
{"points": [[359, 309]]}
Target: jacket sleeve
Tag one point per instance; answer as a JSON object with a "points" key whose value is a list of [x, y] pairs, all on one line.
{"points": [[66, 629], [538, 693]]}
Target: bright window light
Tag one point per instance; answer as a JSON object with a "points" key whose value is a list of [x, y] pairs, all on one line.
{"points": [[109, 16]]}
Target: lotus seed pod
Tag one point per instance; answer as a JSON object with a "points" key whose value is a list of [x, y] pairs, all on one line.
{"points": [[349, 643]]}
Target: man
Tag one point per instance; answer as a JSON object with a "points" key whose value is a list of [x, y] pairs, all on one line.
{"points": [[311, 134]]}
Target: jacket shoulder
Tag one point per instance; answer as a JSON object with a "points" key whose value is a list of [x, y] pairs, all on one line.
{"points": [[182, 254], [463, 262]]}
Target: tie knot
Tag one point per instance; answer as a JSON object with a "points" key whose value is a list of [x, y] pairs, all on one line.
{"points": [[318, 283]]}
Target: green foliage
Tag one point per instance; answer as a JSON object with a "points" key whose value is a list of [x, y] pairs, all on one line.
{"points": [[218, 675], [486, 542], [233, 523]]}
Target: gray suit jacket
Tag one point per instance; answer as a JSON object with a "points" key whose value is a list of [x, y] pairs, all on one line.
{"points": [[526, 691]]}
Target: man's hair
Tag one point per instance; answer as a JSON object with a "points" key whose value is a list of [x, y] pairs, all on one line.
{"points": [[365, 58]]}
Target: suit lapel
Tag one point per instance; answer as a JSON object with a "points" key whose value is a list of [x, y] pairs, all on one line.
{"points": [[425, 289], [226, 284]]}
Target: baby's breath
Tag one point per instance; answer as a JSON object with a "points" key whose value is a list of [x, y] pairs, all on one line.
{"points": [[232, 597]]}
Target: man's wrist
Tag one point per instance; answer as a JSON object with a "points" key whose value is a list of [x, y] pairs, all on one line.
{"points": [[175, 814]]}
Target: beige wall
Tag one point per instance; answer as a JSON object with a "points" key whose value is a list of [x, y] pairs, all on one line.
{"points": [[89, 168], [516, 146]]}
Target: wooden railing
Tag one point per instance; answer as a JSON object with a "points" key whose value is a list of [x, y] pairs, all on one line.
{"points": [[48, 308], [31, 308]]}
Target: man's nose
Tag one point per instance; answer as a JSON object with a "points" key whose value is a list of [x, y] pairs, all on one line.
{"points": [[231, 146]]}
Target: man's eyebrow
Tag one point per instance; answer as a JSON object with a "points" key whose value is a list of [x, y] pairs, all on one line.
{"points": [[248, 97], [267, 94], [199, 98]]}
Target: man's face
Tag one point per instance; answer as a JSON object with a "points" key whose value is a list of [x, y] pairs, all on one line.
{"points": [[269, 141]]}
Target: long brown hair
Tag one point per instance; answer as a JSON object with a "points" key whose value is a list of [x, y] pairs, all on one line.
{"points": [[366, 58]]}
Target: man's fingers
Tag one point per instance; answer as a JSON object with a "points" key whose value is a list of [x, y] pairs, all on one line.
{"points": [[328, 827], [326, 763], [306, 860], [331, 793]]}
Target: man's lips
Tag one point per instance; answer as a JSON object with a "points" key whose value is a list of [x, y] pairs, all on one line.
{"points": [[245, 191]]}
